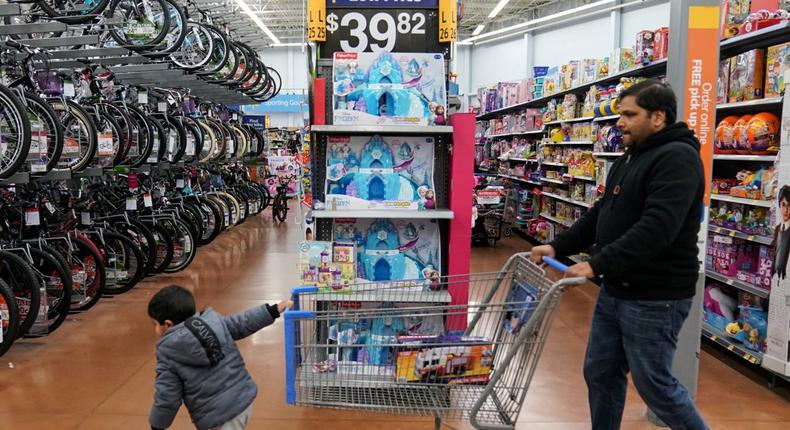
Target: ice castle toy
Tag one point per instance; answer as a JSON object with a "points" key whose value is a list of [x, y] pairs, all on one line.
{"points": [[383, 258], [386, 88]]}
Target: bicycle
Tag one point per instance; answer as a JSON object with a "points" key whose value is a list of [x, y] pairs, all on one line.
{"points": [[280, 202]]}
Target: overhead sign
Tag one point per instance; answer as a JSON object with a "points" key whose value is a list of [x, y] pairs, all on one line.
{"points": [[380, 4], [448, 20], [259, 122], [279, 104], [316, 20]]}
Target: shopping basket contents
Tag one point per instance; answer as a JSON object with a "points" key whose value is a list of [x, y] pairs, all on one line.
{"points": [[464, 352]]}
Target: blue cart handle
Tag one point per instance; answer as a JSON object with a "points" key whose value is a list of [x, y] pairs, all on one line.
{"points": [[555, 264]]}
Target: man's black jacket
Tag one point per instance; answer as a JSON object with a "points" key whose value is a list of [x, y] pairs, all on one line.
{"points": [[644, 229]]}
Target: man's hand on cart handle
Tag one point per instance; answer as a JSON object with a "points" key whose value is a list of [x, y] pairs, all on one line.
{"points": [[537, 253], [285, 304], [580, 270]]}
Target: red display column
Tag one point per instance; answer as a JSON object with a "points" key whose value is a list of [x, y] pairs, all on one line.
{"points": [[461, 201]]}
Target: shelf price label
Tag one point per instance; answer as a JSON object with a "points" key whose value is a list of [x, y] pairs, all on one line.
{"points": [[316, 20], [448, 20]]}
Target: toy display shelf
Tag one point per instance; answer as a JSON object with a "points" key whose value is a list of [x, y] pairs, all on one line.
{"points": [[529, 160], [652, 69], [515, 133], [552, 163], [710, 332], [749, 288], [382, 129], [606, 118], [570, 143], [567, 199], [607, 154], [750, 104], [739, 157], [569, 121], [557, 220], [516, 178], [751, 202], [384, 213], [762, 38], [765, 240], [398, 295], [554, 181]]}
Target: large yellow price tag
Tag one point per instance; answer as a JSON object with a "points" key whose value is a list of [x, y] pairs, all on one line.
{"points": [[316, 20], [448, 20]]}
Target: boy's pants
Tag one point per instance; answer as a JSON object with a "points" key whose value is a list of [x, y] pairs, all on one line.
{"points": [[239, 422]]}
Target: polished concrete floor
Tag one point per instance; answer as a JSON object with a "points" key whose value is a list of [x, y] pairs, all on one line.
{"points": [[97, 371]]}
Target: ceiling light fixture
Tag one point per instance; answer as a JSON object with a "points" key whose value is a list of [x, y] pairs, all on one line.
{"points": [[478, 29], [288, 44], [498, 8], [246, 8]]}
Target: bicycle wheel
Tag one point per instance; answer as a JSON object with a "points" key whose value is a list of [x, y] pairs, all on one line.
{"points": [[280, 207], [164, 246], [175, 34], [110, 147], [58, 285], [9, 317], [79, 138], [73, 11], [212, 224], [46, 142], [142, 138], [197, 48], [124, 263], [145, 23], [18, 274], [183, 246], [14, 133], [87, 274]]}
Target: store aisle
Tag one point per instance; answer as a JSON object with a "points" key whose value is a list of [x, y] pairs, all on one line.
{"points": [[97, 371]]}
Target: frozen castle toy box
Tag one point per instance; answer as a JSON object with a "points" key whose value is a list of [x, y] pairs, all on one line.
{"points": [[376, 172], [389, 88]]}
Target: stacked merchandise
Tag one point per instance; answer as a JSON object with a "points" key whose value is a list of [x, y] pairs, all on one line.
{"points": [[745, 16]]}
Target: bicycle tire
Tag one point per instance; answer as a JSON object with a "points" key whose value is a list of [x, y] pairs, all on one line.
{"points": [[90, 259], [213, 224], [128, 282], [126, 42], [55, 321], [72, 115], [20, 126], [9, 317], [26, 286], [57, 281], [164, 246], [77, 16], [186, 240], [178, 20], [280, 208], [39, 107]]}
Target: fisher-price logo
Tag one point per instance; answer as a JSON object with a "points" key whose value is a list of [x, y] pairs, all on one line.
{"points": [[346, 56]]}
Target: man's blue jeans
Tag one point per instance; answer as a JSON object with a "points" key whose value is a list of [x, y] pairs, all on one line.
{"points": [[640, 337]]}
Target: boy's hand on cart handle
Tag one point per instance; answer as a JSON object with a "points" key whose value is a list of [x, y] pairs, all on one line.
{"points": [[580, 270], [541, 251], [285, 304]]}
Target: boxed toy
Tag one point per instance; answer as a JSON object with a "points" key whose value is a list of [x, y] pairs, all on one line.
{"points": [[746, 76], [777, 65], [660, 43], [394, 249], [723, 84], [389, 88], [392, 172], [451, 359], [315, 257], [621, 60], [644, 48]]}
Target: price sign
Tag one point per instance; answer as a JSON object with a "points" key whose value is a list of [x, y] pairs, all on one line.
{"points": [[316, 20], [375, 30], [448, 20]]}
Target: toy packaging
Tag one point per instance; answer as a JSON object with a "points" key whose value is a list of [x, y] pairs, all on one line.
{"points": [[644, 48], [522, 300], [394, 249], [282, 166], [389, 88], [723, 84], [746, 76], [777, 66], [660, 43], [379, 172], [621, 60], [327, 264], [463, 360]]}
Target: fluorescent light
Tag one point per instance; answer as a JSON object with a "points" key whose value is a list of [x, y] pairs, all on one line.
{"points": [[289, 44], [246, 8], [498, 8], [540, 20], [478, 29]]}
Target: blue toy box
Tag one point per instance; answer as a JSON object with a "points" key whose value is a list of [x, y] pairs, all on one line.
{"points": [[389, 88]]}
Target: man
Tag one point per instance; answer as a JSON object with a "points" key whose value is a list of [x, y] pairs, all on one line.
{"points": [[644, 231], [782, 235]]}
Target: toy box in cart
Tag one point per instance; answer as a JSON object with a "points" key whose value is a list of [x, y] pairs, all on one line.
{"points": [[450, 359]]}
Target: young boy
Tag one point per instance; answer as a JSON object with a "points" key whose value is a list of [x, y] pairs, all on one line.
{"points": [[197, 361]]}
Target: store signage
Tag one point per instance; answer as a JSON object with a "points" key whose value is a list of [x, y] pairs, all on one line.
{"points": [[257, 122], [448, 20], [282, 103], [316, 20], [702, 73], [380, 4]]}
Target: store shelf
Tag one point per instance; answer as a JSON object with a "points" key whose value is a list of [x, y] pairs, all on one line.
{"points": [[554, 181], [751, 202], [569, 121], [529, 160], [54, 175], [607, 154], [16, 178], [384, 213], [381, 292], [758, 103], [738, 157], [763, 38], [516, 178], [735, 233], [54, 42], [551, 163], [557, 220], [583, 178], [9, 9], [516, 133], [574, 143], [567, 199], [606, 118], [710, 332], [381, 129], [749, 288]]}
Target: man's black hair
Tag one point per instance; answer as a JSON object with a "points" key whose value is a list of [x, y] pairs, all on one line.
{"points": [[784, 194], [654, 96], [174, 303]]}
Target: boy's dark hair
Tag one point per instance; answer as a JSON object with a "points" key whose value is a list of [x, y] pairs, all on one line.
{"points": [[784, 194], [654, 96], [174, 303]]}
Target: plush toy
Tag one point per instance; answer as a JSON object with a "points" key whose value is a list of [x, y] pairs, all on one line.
{"points": [[720, 303]]}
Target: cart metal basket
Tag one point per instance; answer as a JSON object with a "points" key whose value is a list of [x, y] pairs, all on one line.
{"points": [[408, 348]]}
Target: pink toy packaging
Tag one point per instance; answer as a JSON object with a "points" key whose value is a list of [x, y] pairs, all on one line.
{"points": [[644, 48], [660, 43]]}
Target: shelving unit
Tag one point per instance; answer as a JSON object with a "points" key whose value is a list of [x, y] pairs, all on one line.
{"points": [[569, 121], [557, 220], [567, 199], [391, 214], [607, 154], [515, 178], [740, 235], [516, 133], [577, 143], [739, 157], [555, 181], [751, 202], [757, 291], [710, 332], [606, 118]]}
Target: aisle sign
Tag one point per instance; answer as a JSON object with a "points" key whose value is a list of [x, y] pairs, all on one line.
{"points": [[316, 20], [702, 73], [448, 20]]}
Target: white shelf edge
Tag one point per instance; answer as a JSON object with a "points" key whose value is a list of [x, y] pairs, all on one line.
{"points": [[383, 129], [750, 103], [557, 220], [551, 163], [556, 181], [566, 121], [567, 199], [742, 157], [740, 235], [749, 288], [515, 133], [574, 143], [607, 154], [606, 118], [516, 178], [751, 202], [382, 213]]}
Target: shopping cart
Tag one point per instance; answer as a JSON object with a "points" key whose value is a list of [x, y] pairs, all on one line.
{"points": [[408, 348]]}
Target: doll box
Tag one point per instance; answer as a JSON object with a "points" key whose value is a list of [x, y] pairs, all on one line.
{"points": [[380, 172], [746, 76], [389, 88], [777, 66]]}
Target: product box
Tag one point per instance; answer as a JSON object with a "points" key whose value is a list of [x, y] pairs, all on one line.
{"points": [[723, 84], [777, 66], [463, 360], [389, 88], [590, 70], [380, 172], [746, 76], [644, 47], [394, 249], [660, 43], [315, 257], [621, 60], [735, 13]]}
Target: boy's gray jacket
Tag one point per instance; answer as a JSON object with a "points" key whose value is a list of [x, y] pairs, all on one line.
{"points": [[215, 394]]}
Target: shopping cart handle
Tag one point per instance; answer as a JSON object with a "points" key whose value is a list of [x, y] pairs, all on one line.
{"points": [[555, 264]]}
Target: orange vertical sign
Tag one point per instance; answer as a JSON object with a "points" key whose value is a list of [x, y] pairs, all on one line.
{"points": [[448, 20], [701, 75]]}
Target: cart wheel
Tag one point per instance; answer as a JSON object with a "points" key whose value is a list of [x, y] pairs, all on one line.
{"points": [[492, 241], [508, 232]]}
